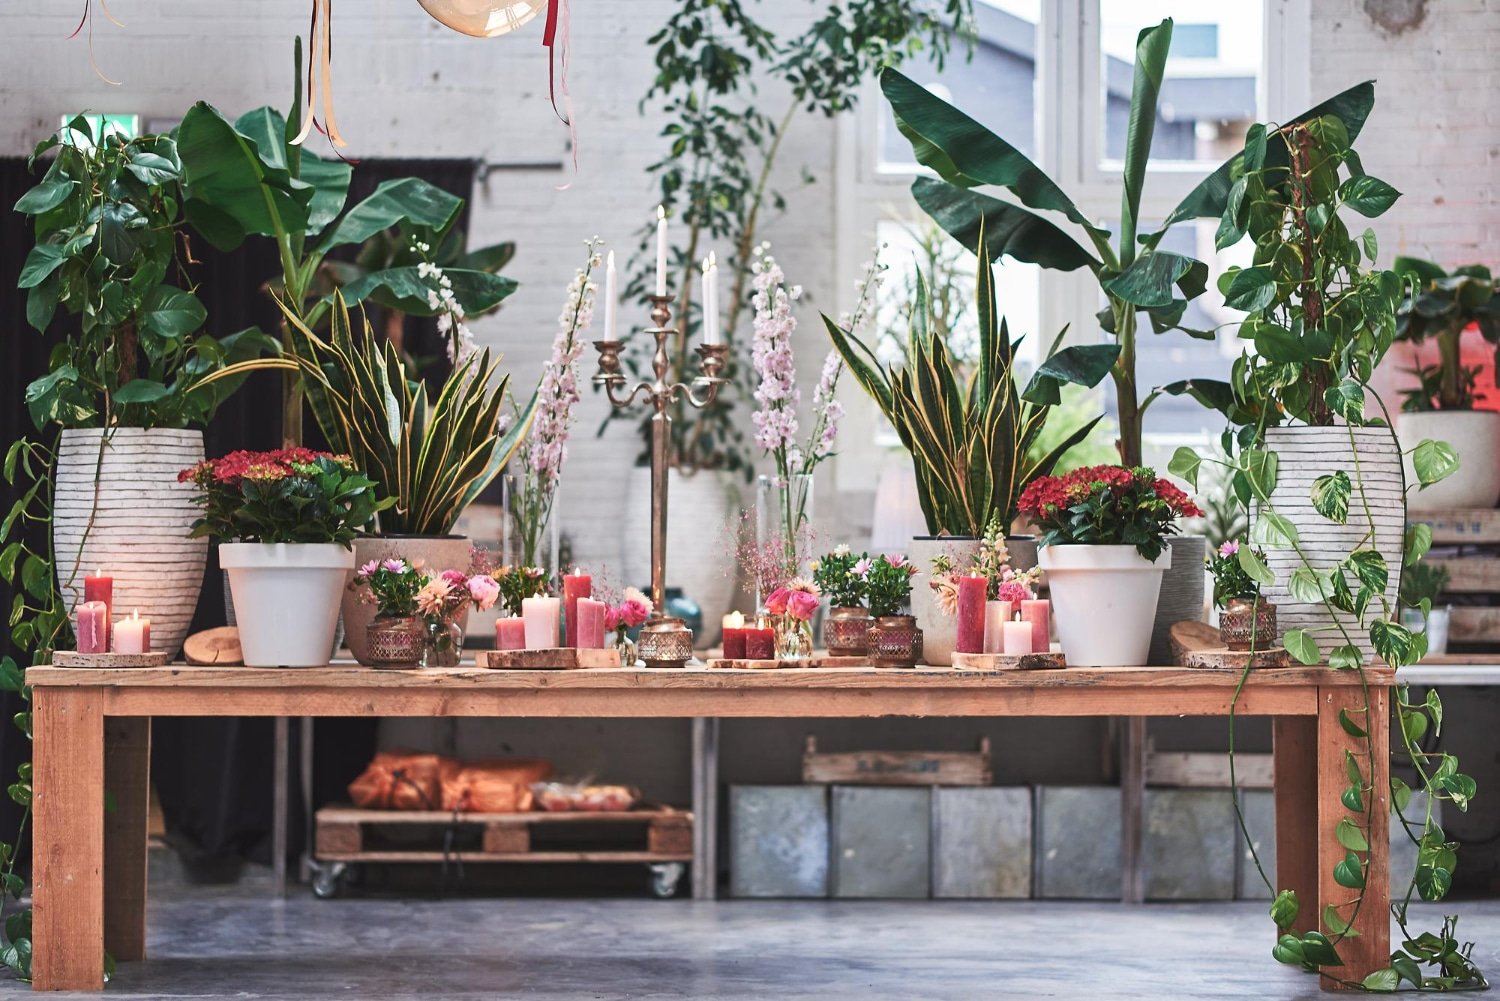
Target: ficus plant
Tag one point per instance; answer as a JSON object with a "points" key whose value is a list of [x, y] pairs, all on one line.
{"points": [[1144, 285]]}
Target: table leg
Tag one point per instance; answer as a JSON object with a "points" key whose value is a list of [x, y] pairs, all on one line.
{"points": [[1371, 949], [705, 807], [279, 802], [1133, 812], [1294, 750], [67, 866], [127, 778]]}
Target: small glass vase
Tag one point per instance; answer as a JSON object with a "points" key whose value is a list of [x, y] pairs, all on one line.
{"points": [[625, 647], [444, 643], [793, 637], [783, 515], [396, 640]]}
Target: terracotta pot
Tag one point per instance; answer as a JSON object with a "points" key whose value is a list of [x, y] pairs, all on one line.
{"points": [[845, 631], [1243, 620], [894, 640], [427, 552]]}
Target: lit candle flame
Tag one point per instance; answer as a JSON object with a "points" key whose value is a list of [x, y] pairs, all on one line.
{"points": [[661, 211]]}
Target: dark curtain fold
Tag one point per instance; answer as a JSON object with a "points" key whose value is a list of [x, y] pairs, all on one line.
{"points": [[213, 775]]}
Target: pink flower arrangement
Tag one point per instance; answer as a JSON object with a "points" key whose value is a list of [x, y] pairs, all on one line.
{"points": [[632, 611], [799, 599]]}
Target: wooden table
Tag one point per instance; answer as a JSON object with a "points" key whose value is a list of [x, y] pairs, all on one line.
{"points": [[93, 731]]}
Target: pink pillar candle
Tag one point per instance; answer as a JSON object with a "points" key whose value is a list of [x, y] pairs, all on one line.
{"points": [[1016, 637], [590, 633], [93, 627], [540, 614], [996, 615], [575, 586], [1038, 612], [132, 635], [510, 633], [971, 597]]}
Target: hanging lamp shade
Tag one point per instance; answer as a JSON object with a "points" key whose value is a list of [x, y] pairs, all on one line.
{"points": [[483, 18]]}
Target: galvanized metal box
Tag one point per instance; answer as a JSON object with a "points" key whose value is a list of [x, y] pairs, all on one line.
{"points": [[1259, 807], [1190, 843], [981, 843], [881, 842], [1078, 842], [778, 841]]}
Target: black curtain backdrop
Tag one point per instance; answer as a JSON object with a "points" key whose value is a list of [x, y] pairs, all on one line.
{"points": [[213, 775]]}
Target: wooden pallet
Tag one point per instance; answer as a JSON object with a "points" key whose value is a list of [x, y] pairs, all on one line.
{"points": [[656, 834], [897, 768], [1467, 543]]}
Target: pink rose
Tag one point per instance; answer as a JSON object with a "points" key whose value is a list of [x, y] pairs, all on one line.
{"points": [[484, 591], [633, 613], [777, 602], [802, 605], [611, 618]]}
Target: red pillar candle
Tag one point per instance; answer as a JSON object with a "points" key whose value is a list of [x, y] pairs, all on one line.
{"points": [[100, 588], [1038, 612], [734, 642], [760, 644], [93, 627], [575, 585], [972, 592], [510, 633]]}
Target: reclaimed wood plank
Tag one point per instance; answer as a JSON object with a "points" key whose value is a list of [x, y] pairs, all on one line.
{"points": [[919, 768], [555, 659], [1468, 624], [1469, 574], [1461, 526], [127, 777], [1051, 661], [1208, 769]]}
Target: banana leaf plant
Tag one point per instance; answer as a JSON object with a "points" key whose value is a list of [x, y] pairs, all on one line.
{"points": [[969, 441], [1442, 305], [1134, 274], [433, 455]]}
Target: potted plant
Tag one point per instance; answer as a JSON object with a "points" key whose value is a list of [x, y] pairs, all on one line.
{"points": [[1422, 584], [840, 575], [1246, 620], [396, 635], [894, 640], [286, 521], [1441, 306], [1003, 582], [969, 435], [1104, 549], [128, 382]]}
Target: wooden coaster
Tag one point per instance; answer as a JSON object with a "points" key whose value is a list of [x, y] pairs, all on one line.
{"points": [[1197, 644], [739, 664], [1009, 661], [547, 659], [72, 658], [213, 646]]}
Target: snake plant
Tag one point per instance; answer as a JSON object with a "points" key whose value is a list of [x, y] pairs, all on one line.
{"points": [[434, 456], [969, 439]]}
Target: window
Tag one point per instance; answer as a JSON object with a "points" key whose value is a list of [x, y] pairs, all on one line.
{"points": [[1196, 41]]}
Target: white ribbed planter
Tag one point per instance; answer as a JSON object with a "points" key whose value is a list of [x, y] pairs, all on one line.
{"points": [[701, 533], [121, 510], [1303, 454], [286, 599], [1103, 602], [429, 553], [1475, 436], [939, 629]]}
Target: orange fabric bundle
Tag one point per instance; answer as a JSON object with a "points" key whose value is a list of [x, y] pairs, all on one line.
{"points": [[401, 780], [502, 786]]}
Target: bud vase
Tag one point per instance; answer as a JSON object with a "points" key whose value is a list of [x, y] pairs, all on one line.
{"points": [[793, 637], [445, 643]]}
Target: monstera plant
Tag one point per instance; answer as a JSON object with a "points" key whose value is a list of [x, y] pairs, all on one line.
{"points": [[1136, 276]]}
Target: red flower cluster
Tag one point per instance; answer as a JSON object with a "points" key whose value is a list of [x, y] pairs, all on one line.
{"points": [[235, 466], [1107, 506], [1047, 494]]}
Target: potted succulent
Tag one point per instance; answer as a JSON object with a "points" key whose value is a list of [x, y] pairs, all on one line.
{"points": [[396, 636], [286, 521], [894, 640], [969, 437], [1246, 620], [1441, 306], [840, 575], [129, 379], [1104, 549]]}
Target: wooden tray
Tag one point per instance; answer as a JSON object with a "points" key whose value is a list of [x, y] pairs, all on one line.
{"points": [[1050, 661], [72, 658], [1196, 644], [547, 659]]}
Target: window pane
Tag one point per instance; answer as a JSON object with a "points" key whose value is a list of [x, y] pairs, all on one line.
{"points": [[1208, 97], [997, 87]]}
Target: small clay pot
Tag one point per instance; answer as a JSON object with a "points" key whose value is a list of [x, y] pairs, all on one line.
{"points": [[1245, 619]]}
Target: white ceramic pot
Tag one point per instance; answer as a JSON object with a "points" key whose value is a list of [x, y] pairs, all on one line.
{"points": [[119, 509], [1303, 454], [1475, 436], [433, 553], [1103, 602], [701, 533], [286, 598], [1181, 593], [939, 629]]}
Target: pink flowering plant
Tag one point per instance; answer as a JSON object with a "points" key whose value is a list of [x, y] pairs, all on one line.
{"points": [[391, 585], [545, 448], [888, 584], [992, 562], [841, 576], [798, 599], [442, 596], [1230, 579]]}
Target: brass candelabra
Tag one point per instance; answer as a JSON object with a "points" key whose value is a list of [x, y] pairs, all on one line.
{"points": [[666, 641]]}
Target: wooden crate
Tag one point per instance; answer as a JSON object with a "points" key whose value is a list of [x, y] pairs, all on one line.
{"points": [[1467, 543], [898, 768], [650, 835]]}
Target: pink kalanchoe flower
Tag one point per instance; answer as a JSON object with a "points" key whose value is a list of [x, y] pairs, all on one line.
{"points": [[394, 565], [801, 605], [776, 604], [484, 590], [369, 568], [1229, 548]]}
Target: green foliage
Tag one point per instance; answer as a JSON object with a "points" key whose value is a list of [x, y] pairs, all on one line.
{"points": [[888, 585], [291, 495], [1441, 305], [433, 456], [971, 439], [1230, 578], [1107, 506], [838, 577], [1422, 583], [109, 251]]}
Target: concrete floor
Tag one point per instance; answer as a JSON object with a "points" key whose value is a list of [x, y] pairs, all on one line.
{"points": [[218, 942]]}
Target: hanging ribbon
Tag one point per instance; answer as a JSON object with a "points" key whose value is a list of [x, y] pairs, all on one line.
{"points": [[319, 67], [557, 51]]}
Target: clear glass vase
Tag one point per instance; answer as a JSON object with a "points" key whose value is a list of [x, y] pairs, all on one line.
{"points": [[528, 527], [445, 643], [793, 638], [783, 520]]}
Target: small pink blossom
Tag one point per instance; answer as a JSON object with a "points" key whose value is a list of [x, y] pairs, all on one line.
{"points": [[484, 590], [455, 577], [896, 561], [1013, 592], [369, 568], [394, 566], [633, 612], [611, 618], [1229, 548], [862, 568]]}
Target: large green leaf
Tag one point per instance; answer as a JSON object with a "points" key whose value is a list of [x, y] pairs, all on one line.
{"points": [[330, 184], [233, 187], [404, 200], [1080, 365], [172, 313], [1149, 280], [1151, 47], [405, 290], [962, 151], [1009, 230]]}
